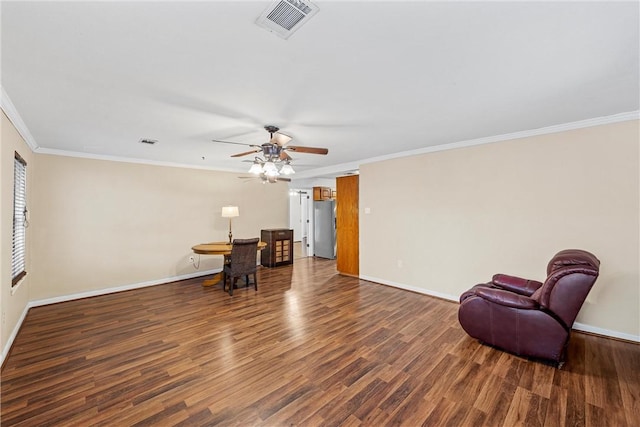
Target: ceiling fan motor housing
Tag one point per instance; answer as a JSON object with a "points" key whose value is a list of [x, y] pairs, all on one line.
{"points": [[271, 149]]}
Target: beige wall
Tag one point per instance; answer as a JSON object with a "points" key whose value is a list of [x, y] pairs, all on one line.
{"points": [[13, 303], [96, 225], [442, 222], [438, 223], [101, 224]]}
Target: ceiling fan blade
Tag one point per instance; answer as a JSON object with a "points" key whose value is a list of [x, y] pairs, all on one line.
{"points": [[280, 138], [284, 156], [246, 152], [312, 150], [275, 179], [231, 142], [265, 179]]}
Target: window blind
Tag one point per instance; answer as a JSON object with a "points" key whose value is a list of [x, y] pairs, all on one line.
{"points": [[19, 219]]}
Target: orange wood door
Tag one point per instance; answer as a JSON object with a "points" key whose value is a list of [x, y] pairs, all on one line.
{"points": [[347, 226]]}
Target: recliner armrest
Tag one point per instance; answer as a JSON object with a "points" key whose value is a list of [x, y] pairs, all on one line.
{"points": [[507, 298], [516, 284]]}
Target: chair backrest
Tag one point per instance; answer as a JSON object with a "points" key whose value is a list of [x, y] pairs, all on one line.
{"points": [[572, 273], [244, 256], [572, 257]]}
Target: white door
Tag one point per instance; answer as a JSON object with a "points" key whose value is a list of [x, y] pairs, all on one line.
{"points": [[299, 219], [304, 219], [295, 220]]}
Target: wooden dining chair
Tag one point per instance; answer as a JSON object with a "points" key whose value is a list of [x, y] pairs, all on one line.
{"points": [[242, 262]]}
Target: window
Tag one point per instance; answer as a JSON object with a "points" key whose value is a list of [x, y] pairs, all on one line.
{"points": [[19, 219]]}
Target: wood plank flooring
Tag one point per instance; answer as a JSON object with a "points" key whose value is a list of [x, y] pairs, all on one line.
{"points": [[310, 348]]}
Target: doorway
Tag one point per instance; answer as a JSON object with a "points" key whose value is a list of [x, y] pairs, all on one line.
{"points": [[299, 222]]}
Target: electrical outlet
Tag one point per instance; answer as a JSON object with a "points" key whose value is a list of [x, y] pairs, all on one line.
{"points": [[4, 317], [192, 259]]}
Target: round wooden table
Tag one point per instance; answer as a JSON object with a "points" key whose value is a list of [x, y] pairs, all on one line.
{"points": [[218, 248]]}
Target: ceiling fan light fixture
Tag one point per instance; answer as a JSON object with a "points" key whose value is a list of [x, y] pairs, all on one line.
{"points": [[270, 169], [287, 169], [256, 168]]}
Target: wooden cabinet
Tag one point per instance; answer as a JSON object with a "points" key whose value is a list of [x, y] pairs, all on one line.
{"points": [[279, 250], [322, 193], [347, 230]]}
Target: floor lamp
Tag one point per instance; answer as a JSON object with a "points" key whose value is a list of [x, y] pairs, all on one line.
{"points": [[230, 212]]}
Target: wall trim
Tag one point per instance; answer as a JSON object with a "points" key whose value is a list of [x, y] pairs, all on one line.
{"points": [[13, 335], [415, 289], [37, 303], [605, 332], [16, 119], [105, 291], [577, 326], [97, 292], [91, 156], [581, 124]]}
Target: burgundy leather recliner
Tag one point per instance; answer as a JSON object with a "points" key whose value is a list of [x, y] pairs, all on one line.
{"points": [[527, 317]]}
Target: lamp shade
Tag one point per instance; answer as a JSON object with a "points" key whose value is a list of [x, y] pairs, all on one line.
{"points": [[287, 169], [256, 168], [230, 211], [270, 168]]}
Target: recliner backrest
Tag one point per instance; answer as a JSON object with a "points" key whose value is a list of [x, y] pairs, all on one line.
{"points": [[569, 257], [565, 290]]}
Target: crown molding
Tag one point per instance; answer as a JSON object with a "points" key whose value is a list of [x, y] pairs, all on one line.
{"points": [[64, 153], [598, 121], [13, 115], [581, 124], [334, 170]]}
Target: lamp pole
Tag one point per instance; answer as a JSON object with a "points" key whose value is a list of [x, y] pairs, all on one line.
{"points": [[230, 212]]}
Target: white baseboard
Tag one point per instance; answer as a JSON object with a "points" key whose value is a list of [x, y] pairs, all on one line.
{"points": [[14, 334], [576, 325], [424, 291], [70, 297], [106, 291], [605, 332]]}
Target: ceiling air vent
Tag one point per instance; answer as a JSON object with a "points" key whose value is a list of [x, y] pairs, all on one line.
{"points": [[284, 17]]}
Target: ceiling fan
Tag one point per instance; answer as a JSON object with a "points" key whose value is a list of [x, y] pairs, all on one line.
{"points": [[275, 160], [264, 179]]}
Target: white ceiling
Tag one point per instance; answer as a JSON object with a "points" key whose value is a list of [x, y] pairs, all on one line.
{"points": [[364, 79]]}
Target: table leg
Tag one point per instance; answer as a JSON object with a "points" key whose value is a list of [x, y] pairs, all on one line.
{"points": [[213, 281]]}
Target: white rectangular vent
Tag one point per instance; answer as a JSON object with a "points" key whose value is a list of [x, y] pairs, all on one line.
{"points": [[284, 17]]}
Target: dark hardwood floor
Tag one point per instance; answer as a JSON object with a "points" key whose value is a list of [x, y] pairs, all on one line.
{"points": [[309, 348]]}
